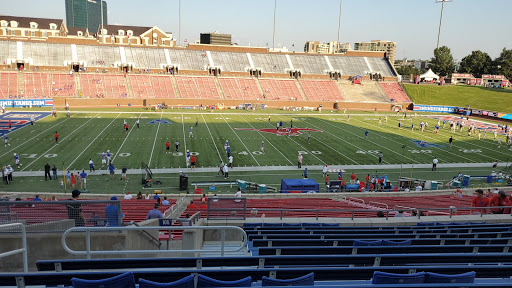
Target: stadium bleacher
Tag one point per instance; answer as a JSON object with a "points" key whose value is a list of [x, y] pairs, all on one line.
{"points": [[8, 84], [395, 92], [239, 88]]}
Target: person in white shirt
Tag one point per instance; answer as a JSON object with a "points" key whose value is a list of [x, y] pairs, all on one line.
{"points": [[226, 172], [230, 159], [324, 171], [127, 196], [434, 164], [419, 187], [238, 195]]}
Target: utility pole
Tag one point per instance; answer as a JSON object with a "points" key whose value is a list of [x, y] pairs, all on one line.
{"points": [[339, 29], [179, 22], [274, 34]]}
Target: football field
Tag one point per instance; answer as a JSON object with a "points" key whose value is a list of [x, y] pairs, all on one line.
{"points": [[322, 138]]}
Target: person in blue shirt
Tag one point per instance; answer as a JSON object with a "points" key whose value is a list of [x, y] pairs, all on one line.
{"points": [[291, 123], [155, 213], [229, 151], [83, 176], [281, 124], [6, 140], [165, 202], [17, 160], [112, 212], [111, 169], [305, 173], [37, 198], [366, 134]]}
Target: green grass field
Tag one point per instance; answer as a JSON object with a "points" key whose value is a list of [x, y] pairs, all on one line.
{"points": [[499, 100], [341, 142]]}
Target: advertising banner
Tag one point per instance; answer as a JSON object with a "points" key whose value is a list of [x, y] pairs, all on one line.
{"points": [[26, 102], [439, 109]]}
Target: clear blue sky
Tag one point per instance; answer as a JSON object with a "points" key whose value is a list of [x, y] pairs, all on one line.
{"points": [[468, 24]]}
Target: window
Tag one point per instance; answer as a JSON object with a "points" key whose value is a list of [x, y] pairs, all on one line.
{"points": [[13, 32], [14, 24], [155, 41], [44, 34], [120, 32], [163, 42], [33, 25], [129, 33], [3, 23], [33, 33], [80, 33], [53, 26]]}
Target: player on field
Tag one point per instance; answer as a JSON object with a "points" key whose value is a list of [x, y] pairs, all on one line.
{"points": [[56, 137], [190, 134], [6, 140], [479, 135], [197, 122], [262, 147], [366, 134], [187, 159], [399, 125], [268, 118], [32, 120], [103, 159], [288, 132], [10, 124], [386, 119], [412, 127], [91, 166], [348, 118], [68, 114], [291, 123], [167, 147], [499, 142], [17, 160], [280, 124], [495, 134], [109, 155], [177, 145], [277, 126], [137, 123], [226, 144], [126, 128], [228, 151]]}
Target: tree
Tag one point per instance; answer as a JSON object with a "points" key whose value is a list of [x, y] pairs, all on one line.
{"points": [[407, 70], [504, 63], [476, 63], [442, 62]]}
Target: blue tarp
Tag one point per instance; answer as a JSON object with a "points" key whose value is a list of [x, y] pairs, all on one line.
{"points": [[304, 185]]}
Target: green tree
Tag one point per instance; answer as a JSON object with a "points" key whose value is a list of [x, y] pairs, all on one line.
{"points": [[407, 70], [504, 63], [442, 62], [476, 63]]}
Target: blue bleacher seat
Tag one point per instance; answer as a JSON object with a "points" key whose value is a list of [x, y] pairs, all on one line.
{"points": [[124, 280], [396, 242], [468, 277], [392, 278], [311, 224], [252, 225], [367, 243], [330, 224], [292, 224], [305, 280], [273, 225], [207, 282], [187, 282], [426, 224]]}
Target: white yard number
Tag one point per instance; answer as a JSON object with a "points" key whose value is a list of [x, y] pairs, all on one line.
{"points": [[312, 152], [124, 154], [31, 156], [470, 150], [194, 153], [257, 152], [243, 153], [367, 152], [177, 154], [420, 151], [50, 155]]}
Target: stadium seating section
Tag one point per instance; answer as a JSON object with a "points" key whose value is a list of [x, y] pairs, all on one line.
{"points": [[395, 92]]}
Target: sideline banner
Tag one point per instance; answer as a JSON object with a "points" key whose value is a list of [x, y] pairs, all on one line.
{"points": [[438, 109], [26, 102]]}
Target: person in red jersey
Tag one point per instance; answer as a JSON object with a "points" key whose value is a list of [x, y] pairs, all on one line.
{"points": [[480, 201], [56, 137], [500, 199]]}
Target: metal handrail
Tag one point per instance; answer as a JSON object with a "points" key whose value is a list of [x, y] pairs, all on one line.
{"points": [[23, 244], [88, 231], [379, 203]]}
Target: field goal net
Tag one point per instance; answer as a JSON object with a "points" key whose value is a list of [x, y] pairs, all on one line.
{"points": [[147, 174]]}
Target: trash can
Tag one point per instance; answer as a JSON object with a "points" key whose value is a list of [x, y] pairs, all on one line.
{"points": [[242, 185], [456, 184], [489, 179], [465, 180], [262, 188], [433, 186]]}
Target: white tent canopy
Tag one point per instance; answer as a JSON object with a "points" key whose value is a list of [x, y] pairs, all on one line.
{"points": [[429, 76]]}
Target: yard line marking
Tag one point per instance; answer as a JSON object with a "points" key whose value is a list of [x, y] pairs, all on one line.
{"points": [[212, 137], [32, 137], [56, 144], [92, 142], [240, 140], [184, 137], [119, 150], [304, 149], [361, 138], [154, 143], [267, 140]]}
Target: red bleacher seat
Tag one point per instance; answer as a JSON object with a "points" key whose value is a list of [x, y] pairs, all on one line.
{"points": [[395, 91]]}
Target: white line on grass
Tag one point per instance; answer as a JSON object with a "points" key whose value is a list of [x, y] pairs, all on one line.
{"points": [[61, 142], [361, 138], [32, 137], [93, 142], [261, 134], [119, 150], [240, 140], [154, 143], [212, 137]]}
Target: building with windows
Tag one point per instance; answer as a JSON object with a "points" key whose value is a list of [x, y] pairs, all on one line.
{"points": [[85, 14], [326, 48], [215, 38], [135, 35], [380, 46], [14, 27]]}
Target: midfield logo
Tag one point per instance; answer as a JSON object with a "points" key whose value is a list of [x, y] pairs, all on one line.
{"points": [[423, 144], [158, 121], [282, 132]]}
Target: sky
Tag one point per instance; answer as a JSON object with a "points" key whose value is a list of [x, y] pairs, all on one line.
{"points": [[468, 25]]}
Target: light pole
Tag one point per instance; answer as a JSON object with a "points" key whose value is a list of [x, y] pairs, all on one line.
{"points": [[441, 20], [339, 29], [179, 22], [274, 33]]}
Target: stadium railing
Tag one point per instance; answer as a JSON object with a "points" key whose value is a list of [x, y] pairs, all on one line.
{"points": [[373, 260], [22, 250], [88, 230]]}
